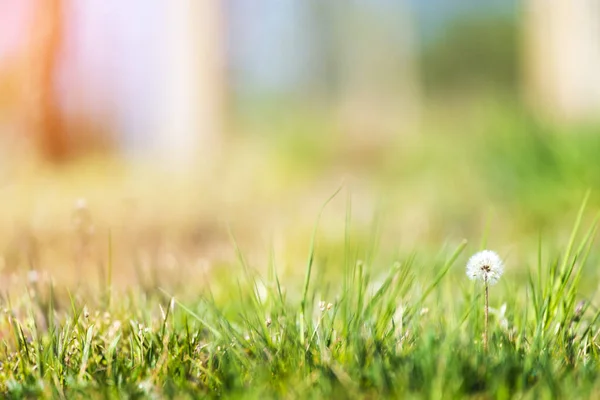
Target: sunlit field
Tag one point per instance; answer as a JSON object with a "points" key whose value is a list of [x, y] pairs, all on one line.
{"points": [[302, 267]]}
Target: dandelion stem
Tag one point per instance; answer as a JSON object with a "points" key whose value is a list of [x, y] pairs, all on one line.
{"points": [[485, 330]]}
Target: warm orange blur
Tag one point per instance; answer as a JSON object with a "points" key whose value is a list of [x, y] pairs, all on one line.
{"points": [[47, 125]]}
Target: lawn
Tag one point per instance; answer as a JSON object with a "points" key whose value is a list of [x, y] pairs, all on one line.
{"points": [[298, 269]]}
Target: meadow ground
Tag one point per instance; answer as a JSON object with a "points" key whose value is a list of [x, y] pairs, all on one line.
{"points": [[301, 267]]}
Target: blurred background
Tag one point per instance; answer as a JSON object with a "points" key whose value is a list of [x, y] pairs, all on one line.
{"points": [[142, 133]]}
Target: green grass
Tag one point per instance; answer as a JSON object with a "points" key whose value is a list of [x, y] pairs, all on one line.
{"points": [[362, 314], [410, 328]]}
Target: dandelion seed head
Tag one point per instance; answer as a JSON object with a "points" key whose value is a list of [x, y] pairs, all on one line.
{"points": [[485, 266]]}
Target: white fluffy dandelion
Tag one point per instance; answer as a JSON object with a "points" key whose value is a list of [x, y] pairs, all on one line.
{"points": [[485, 266]]}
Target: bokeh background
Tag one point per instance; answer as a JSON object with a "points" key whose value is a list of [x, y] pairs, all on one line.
{"points": [[145, 133]]}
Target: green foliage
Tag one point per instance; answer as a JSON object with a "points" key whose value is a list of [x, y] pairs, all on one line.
{"points": [[473, 51], [534, 168]]}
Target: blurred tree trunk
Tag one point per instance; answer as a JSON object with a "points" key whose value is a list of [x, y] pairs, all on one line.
{"points": [[562, 56], [194, 84], [46, 121]]}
